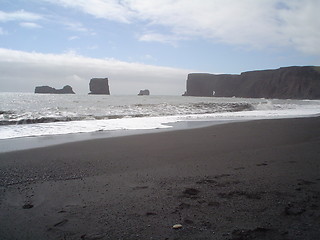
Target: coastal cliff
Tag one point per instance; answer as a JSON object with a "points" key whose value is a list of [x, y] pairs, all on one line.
{"points": [[99, 86], [46, 89], [283, 83]]}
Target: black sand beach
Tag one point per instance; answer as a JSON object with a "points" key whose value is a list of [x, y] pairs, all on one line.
{"points": [[249, 180]]}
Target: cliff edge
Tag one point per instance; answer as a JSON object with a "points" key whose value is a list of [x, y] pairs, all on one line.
{"points": [[283, 83]]}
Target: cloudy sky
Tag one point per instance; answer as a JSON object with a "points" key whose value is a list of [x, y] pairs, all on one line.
{"points": [[150, 44]]}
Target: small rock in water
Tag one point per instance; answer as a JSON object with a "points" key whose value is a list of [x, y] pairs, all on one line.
{"points": [[177, 226]]}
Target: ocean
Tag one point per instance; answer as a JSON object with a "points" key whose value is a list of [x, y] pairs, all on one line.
{"points": [[25, 115]]}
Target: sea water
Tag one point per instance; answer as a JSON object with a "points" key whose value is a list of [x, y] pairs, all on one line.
{"points": [[27, 114]]}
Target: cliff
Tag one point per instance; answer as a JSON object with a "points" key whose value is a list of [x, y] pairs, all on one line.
{"points": [[99, 86], [46, 89], [282, 83], [145, 92]]}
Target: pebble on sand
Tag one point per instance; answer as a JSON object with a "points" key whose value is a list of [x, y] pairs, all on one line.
{"points": [[177, 226]]}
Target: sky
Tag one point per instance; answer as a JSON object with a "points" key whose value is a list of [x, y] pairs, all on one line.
{"points": [[148, 44]]}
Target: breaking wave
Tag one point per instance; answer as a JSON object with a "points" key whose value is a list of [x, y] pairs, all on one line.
{"points": [[26, 114], [118, 112]]}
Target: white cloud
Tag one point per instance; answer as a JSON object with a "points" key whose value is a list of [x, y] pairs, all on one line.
{"points": [[71, 38], [20, 15], [111, 9], [304, 26], [253, 23], [75, 26], [158, 37], [30, 25], [22, 71]]}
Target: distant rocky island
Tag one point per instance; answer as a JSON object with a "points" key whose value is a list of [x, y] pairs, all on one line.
{"points": [[99, 86], [145, 92], [46, 89], [283, 83]]}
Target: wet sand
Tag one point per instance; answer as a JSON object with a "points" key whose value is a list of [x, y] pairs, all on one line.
{"points": [[249, 180]]}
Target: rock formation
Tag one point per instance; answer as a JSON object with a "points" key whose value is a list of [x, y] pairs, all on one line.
{"points": [[282, 83], [46, 89], [145, 92], [99, 86]]}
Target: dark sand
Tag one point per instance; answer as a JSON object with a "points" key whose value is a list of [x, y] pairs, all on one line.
{"points": [[251, 180]]}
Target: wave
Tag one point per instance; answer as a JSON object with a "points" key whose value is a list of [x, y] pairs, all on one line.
{"points": [[55, 119], [119, 112], [36, 120]]}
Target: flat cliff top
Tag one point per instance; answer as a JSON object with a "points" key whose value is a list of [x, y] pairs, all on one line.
{"points": [[295, 82]]}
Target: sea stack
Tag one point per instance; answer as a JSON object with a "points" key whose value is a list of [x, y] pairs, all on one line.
{"points": [[99, 86], [145, 92], [283, 83], [46, 89]]}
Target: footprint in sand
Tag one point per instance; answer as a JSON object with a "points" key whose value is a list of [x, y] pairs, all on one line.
{"points": [[262, 164], [191, 191], [305, 182], [239, 168]]}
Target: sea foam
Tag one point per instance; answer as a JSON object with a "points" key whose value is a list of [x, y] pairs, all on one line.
{"points": [[26, 115]]}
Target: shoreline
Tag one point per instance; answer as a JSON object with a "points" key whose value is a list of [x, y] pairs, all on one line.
{"points": [[25, 143], [244, 180], [33, 142]]}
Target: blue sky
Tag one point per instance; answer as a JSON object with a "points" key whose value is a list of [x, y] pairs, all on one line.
{"points": [[141, 44]]}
